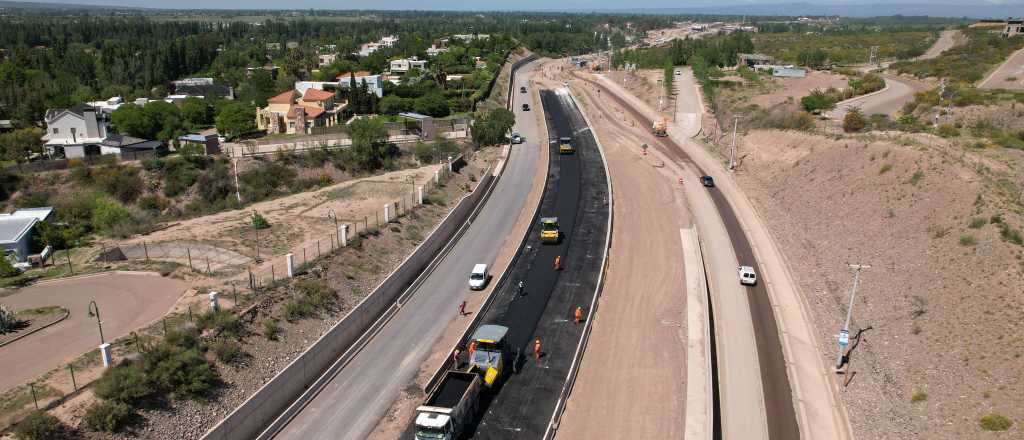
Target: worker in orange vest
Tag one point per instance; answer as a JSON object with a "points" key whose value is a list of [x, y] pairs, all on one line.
{"points": [[579, 314], [558, 262], [536, 349], [472, 348]]}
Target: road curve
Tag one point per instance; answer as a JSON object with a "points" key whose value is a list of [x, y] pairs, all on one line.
{"points": [[887, 101], [352, 403], [1010, 75]]}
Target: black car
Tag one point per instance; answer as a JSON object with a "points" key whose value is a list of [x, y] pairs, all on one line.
{"points": [[707, 181], [522, 90], [526, 107]]}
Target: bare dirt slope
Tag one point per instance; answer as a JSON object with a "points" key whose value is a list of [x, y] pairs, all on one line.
{"points": [[631, 380], [783, 90], [947, 39], [940, 309]]}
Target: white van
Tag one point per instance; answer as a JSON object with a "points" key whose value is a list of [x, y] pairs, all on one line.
{"points": [[747, 275], [478, 277]]}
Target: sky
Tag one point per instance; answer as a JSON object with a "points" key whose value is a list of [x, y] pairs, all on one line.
{"points": [[574, 5]]}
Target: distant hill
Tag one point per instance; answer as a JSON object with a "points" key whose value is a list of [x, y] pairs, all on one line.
{"points": [[4, 4]]}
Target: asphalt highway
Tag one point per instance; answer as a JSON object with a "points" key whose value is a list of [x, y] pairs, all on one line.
{"points": [[355, 399], [577, 194], [778, 398]]}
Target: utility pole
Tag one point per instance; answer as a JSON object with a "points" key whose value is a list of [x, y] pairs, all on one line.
{"points": [[844, 334], [238, 193], [732, 150], [873, 58]]}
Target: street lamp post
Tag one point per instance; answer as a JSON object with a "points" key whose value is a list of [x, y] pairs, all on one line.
{"points": [[844, 334], [94, 310]]}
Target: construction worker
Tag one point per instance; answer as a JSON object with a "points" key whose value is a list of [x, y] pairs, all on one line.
{"points": [[472, 348], [536, 349], [558, 262], [455, 357], [521, 287], [579, 314], [462, 309]]}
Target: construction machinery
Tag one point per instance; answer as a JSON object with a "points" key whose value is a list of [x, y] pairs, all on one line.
{"points": [[549, 232], [450, 407], [565, 146], [660, 128], [490, 352]]}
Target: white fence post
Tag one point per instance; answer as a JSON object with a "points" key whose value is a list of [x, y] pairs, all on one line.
{"points": [[213, 302], [291, 265]]}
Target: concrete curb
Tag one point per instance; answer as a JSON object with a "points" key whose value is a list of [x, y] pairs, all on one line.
{"points": [[66, 314], [697, 424], [570, 379]]}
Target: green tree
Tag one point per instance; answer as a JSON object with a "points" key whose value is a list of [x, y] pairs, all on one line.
{"points": [[196, 112], [817, 101], [110, 217], [815, 58], [257, 88], [39, 425], [20, 144], [490, 128], [235, 119], [433, 104], [369, 143], [132, 120]]}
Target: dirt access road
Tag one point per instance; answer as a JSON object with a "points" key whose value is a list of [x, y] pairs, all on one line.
{"points": [[127, 301], [1010, 75], [630, 381]]}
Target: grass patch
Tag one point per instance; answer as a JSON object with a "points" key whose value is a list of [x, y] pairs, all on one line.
{"points": [[967, 62], [977, 223], [884, 169], [968, 240], [916, 177], [1011, 234], [918, 396], [995, 422]]}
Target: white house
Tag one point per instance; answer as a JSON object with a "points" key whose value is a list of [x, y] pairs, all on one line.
{"points": [[434, 50], [16, 231], [76, 126], [327, 58], [374, 83], [402, 66], [388, 41]]}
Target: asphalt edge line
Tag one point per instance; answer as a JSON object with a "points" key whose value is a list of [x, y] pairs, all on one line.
{"points": [[570, 379], [695, 426]]}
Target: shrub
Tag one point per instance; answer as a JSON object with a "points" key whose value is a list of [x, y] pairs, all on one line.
{"points": [[124, 383], [977, 222], [111, 217], [295, 309], [968, 240], [916, 177], [6, 269], [948, 131], [222, 321], [271, 329], [995, 422], [258, 221], [996, 219], [1011, 234], [854, 121], [817, 101], [182, 338], [153, 203], [184, 374], [7, 317], [121, 182], [885, 169], [265, 181], [227, 351], [39, 425], [108, 416], [317, 292], [919, 396]]}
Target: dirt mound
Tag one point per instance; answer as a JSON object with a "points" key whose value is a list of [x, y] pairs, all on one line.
{"points": [[941, 307]]}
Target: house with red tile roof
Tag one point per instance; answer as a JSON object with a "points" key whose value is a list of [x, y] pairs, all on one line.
{"points": [[293, 112]]}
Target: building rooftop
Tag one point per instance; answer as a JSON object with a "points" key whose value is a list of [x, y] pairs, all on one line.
{"points": [[286, 97], [312, 94], [13, 229]]}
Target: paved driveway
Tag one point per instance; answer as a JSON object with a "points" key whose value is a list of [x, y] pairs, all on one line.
{"points": [[127, 301]]}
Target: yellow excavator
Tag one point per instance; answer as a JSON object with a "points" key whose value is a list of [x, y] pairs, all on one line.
{"points": [[549, 232]]}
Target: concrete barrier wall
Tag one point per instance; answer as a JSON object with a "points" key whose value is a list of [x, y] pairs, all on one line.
{"points": [[275, 397]]}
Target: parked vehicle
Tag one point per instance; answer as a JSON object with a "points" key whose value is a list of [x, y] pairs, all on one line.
{"points": [[450, 407], [517, 138], [522, 90], [747, 275], [526, 107], [478, 277], [707, 181]]}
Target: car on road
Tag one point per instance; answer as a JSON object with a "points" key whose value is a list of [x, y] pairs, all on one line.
{"points": [[522, 90], [707, 181], [526, 107], [747, 275], [478, 277], [517, 138]]}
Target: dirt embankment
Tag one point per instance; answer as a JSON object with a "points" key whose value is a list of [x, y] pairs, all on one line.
{"points": [[940, 311]]}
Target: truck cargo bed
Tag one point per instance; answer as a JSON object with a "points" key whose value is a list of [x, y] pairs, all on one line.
{"points": [[451, 389]]}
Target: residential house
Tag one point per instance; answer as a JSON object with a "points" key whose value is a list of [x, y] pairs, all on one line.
{"points": [[374, 83], [434, 50], [294, 112], [77, 126], [1014, 27], [753, 60], [470, 37], [480, 63], [403, 65], [327, 58], [16, 231], [202, 87], [124, 146], [388, 41], [369, 48], [6, 125], [272, 70]]}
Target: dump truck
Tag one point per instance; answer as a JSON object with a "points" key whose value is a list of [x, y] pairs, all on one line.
{"points": [[549, 232], [660, 128], [450, 407], [565, 146]]}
